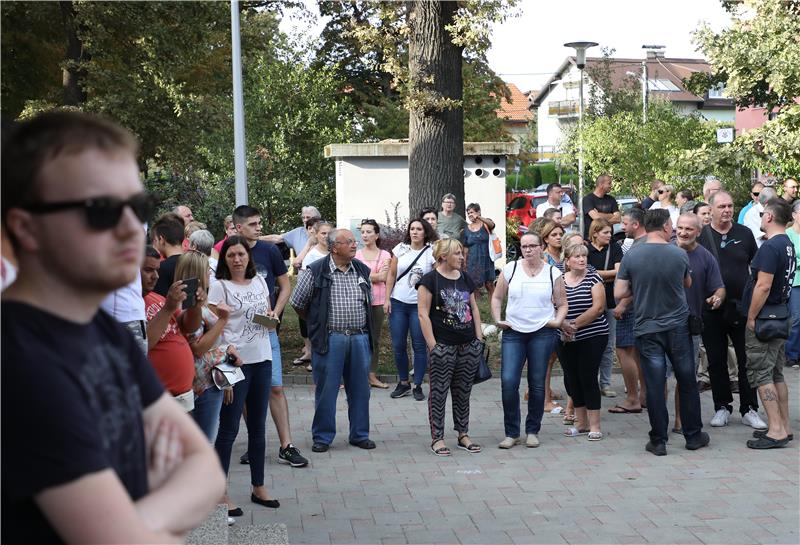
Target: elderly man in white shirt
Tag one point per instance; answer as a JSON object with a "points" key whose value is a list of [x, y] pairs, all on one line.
{"points": [[752, 219]]}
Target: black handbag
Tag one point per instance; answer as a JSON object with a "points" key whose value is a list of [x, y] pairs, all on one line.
{"points": [[773, 322], [483, 373]]}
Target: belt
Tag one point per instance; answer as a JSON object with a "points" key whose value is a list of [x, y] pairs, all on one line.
{"points": [[358, 331]]}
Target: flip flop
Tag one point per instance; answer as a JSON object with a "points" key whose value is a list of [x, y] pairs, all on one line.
{"points": [[619, 409], [301, 361], [575, 432], [557, 410]]}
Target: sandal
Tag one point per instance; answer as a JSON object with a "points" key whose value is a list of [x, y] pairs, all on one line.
{"points": [[441, 451], [569, 419], [472, 448], [574, 432], [301, 360], [595, 435]]}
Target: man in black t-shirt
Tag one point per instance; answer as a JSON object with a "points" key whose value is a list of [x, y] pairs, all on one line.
{"points": [[599, 204], [167, 237], [94, 450], [733, 246], [773, 270]]}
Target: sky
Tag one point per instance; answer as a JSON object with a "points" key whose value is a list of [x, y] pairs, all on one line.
{"points": [[526, 50]]}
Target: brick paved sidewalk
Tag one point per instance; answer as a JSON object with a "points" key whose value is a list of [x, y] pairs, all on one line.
{"points": [[566, 491]]}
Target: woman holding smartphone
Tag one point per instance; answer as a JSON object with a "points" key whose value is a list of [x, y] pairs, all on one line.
{"points": [[246, 293]]}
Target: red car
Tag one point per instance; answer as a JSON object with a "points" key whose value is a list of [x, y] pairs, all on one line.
{"points": [[522, 204]]}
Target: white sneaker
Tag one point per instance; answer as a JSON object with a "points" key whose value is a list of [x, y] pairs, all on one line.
{"points": [[720, 419], [753, 420], [508, 442], [532, 441]]}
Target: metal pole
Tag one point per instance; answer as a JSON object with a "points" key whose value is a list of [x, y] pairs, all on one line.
{"points": [[580, 152], [240, 167], [645, 91]]}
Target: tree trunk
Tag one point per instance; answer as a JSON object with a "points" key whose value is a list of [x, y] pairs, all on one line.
{"points": [[436, 137], [72, 74]]}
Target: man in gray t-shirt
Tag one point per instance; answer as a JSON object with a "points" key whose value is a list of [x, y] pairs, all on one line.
{"points": [[656, 273]]}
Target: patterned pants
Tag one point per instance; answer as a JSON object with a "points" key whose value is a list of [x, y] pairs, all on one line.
{"points": [[451, 367]]}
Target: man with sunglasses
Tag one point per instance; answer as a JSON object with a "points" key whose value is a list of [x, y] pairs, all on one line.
{"points": [[733, 246], [752, 220], [79, 467], [755, 191]]}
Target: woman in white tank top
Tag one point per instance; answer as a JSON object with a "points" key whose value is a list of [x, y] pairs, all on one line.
{"points": [[536, 307]]}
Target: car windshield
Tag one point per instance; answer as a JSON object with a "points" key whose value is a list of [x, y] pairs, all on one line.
{"points": [[517, 203]]}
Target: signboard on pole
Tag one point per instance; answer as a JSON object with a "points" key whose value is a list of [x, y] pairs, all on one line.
{"points": [[725, 136]]}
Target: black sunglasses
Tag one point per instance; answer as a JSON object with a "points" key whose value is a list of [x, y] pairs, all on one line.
{"points": [[755, 193], [102, 213]]}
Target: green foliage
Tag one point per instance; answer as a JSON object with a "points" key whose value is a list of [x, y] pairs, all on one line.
{"points": [[607, 98], [634, 153]]}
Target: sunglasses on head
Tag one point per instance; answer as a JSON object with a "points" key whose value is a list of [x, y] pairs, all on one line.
{"points": [[102, 213]]}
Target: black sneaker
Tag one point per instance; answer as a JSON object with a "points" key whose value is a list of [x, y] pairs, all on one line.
{"points": [[418, 395], [401, 390], [700, 441], [659, 449], [244, 459], [291, 456]]}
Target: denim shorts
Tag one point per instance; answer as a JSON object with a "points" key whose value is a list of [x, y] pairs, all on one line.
{"points": [[277, 365]]}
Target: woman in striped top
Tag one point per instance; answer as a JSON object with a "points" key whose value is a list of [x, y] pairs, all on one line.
{"points": [[584, 338]]}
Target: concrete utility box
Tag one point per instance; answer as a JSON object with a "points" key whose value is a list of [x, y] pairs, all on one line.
{"points": [[372, 178]]}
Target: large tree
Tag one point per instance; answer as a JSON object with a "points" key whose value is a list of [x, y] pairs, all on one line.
{"points": [[757, 59]]}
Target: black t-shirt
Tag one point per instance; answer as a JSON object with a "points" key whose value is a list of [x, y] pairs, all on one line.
{"points": [[597, 259], [269, 264], [72, 401], [776, 257], [605, 205], [166, 275], [451, 314], [734, 251]]}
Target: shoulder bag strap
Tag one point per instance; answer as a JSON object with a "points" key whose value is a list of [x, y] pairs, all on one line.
{"points": [[405, 272], [513, 272], [608, 255]]}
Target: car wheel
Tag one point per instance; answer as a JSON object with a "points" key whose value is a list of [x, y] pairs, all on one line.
{"points": [[512, 252]]}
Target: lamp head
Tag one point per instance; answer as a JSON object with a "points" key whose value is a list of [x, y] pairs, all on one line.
{"points": [[580, 52]]}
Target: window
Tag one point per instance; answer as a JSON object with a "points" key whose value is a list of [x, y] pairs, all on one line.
{"points": [[717, 91], [662, 85], [517, 203]]}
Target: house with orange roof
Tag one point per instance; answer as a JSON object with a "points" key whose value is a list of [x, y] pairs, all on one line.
{"points": [[515, 113]]}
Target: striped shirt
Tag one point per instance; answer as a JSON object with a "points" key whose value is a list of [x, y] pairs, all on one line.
{"points": [[579, 299]]}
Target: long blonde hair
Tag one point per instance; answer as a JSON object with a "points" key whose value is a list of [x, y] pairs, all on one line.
{"points": [[193, 264]]}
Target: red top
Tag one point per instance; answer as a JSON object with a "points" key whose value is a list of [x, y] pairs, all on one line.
{"points": [[218, 245], [171, 357]]}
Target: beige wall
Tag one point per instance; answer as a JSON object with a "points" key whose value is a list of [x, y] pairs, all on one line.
{"points": [[369, 187]]}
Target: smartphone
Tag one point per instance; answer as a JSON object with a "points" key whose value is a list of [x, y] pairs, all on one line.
{"points": [[190, 286], [266, 321]]}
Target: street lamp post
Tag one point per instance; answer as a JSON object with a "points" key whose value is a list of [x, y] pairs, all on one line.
{"points": [[580, 61], [240, 166]]}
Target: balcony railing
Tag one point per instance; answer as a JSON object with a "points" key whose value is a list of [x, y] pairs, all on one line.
{"points": [[563, 108]]}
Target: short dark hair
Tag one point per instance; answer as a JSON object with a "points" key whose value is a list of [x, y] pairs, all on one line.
{"points": [[552, 186], [311, 222], [635, 213], [474, 206], [243, 213], [149, 251], [686, 194], [170, 227], [430, 234], [780, 209], [698, 206], [223, 272], [428, 210], [29, 144], [654, 220]]}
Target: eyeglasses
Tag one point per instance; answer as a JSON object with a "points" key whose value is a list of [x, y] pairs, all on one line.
{"points": [[102, 213], [755, 193], [530, 246]]}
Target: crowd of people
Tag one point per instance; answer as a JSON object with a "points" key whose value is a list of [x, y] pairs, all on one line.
{"points": [[140, 404]]}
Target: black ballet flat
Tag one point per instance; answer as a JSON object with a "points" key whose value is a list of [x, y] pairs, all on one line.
{"points": [[274, 504], [235, 512]]}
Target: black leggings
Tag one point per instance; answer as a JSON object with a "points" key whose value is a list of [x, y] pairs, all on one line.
{"points": [[580, 361]]}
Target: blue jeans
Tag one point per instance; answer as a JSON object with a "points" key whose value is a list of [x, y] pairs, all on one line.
{"points": [[253, 391], [607, 361], [404, 318], [793, 343], [654, 348], [277, 362], [348, 358], [516, 347], [206, 412]]}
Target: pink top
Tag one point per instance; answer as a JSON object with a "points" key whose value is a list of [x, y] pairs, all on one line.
{"points": [[378, 288], [218, 245]]}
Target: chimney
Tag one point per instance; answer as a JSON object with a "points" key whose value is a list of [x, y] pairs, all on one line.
{"points": [[655, 54]]}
